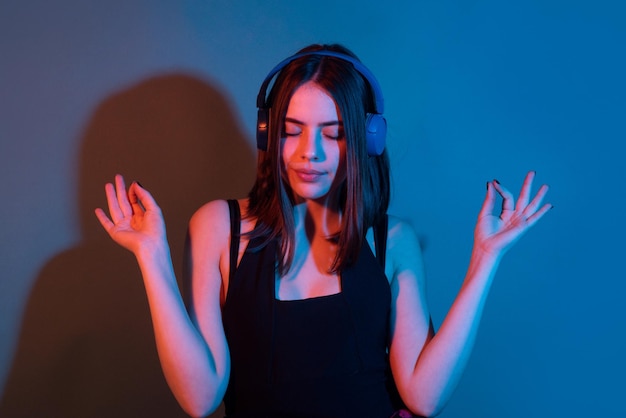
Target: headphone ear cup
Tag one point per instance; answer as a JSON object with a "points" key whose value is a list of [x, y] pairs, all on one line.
{"points": [[262, 125], [375, 133]]}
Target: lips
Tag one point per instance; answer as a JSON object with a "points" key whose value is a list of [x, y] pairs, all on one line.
{"points": [[308, 175]]}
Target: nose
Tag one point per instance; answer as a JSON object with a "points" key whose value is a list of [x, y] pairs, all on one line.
{"points": [[311, 145]]}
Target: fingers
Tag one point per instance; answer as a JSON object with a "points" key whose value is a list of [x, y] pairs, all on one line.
{"points": [[530, 212], [123, 204], [522, 200], [142, 198], [122, 196], [508, 202], [134, 199], [489, 201], [113, 203], [537, 215], [536, 202], [104, 220]]}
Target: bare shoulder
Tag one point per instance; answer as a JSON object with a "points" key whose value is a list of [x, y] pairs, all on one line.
{"points": [[402, 235], [403, 252], [212, 216], [209, 235], [403, 247], [209, 243], [400, 231]]}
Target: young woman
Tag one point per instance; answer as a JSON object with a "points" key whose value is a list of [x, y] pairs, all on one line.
{"points": [[306, 299]]}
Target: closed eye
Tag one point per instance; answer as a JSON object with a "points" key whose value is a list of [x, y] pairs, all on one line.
{"points": [[291, 129], [334, 134]]}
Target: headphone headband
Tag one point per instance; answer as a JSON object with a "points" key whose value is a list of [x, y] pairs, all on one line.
{"points": [[376, 125], [379, 103]]}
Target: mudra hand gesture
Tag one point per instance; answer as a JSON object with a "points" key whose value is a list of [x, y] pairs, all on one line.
{"points": [[496, 234], [136, 220]]}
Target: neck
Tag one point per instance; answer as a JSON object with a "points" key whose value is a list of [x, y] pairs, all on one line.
{"points": [[318, 218]]}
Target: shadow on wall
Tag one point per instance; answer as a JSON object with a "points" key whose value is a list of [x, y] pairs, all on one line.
{"points": [[86, 347]]}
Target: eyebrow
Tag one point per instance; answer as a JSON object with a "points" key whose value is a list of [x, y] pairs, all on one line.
{"points": [[329, 123]]}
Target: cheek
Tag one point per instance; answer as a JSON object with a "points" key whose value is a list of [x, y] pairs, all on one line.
{"points": [[286, 150]]}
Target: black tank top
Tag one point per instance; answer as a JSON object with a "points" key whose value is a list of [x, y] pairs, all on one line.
{"points": [[319, 357]]}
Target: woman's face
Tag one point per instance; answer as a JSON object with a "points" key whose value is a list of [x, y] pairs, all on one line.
{"points": [[313, 144]]}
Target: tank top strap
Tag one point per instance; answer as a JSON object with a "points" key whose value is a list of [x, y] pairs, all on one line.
{"points": [[235, 229], [380, 240]]}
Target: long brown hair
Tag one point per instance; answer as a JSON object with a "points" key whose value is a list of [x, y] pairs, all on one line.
{"points": [[366, 191]]}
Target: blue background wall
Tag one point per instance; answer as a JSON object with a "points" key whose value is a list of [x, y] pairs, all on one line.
{"points": [[164, 91]]}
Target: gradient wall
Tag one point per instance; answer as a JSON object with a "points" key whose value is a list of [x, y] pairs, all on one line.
{"points": [[164, 91]]}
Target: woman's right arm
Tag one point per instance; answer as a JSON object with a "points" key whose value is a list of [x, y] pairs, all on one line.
{"points": [[192, 350]]}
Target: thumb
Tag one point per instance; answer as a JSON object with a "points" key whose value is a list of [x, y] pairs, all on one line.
{"points": [[137, 193], [489, 202]]}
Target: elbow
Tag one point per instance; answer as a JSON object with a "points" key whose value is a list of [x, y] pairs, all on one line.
{"points": [[200, 404], [199, 409], [425, 408], [425, 400], [200, 397], [424, 412]]}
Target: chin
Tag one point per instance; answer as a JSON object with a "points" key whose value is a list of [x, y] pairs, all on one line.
{"points": [[300, 197], [319, 195]]}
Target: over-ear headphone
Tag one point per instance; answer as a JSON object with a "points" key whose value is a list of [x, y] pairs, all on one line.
{"points": [[376, 125]]}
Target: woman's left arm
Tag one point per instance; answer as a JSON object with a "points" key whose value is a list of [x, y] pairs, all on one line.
{"points": [[427, 367]]}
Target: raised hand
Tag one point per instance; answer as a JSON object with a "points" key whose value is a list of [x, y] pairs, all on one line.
{"points": [[136, 220], [496, 234]]}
